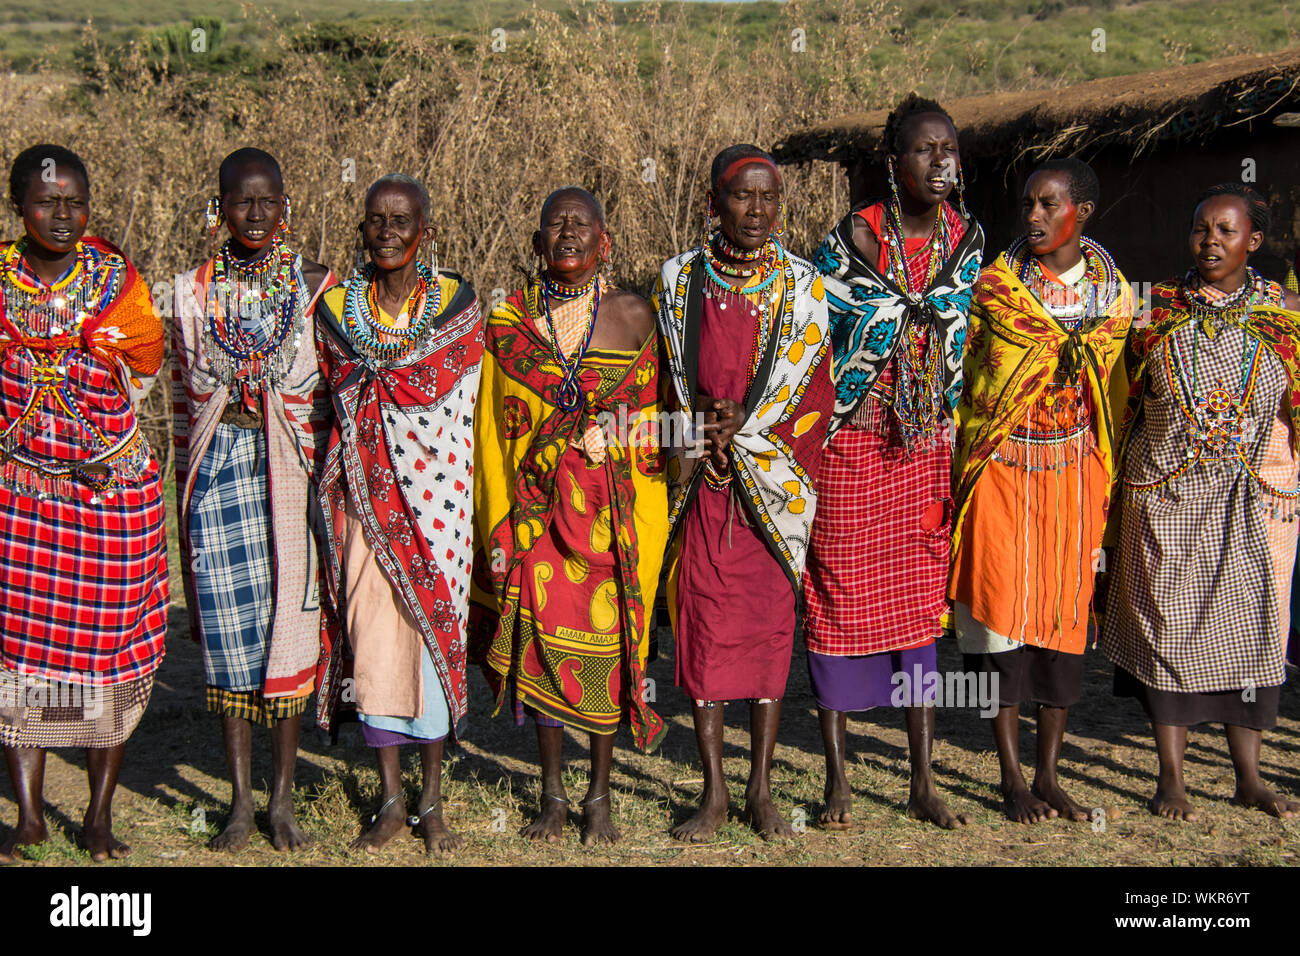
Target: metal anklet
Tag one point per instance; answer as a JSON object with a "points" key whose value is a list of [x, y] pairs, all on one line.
{"points": [[414, 821], [374, 818]]}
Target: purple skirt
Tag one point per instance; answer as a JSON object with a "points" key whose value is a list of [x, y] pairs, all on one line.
{"points": [[378, 737], [866, 681]]}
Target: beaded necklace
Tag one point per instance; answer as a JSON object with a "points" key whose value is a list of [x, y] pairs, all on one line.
{"points": [[267, 288], [55, 310], [1219, 428], [914, 274], [1070, 307], [362, 317], [568, 395]]}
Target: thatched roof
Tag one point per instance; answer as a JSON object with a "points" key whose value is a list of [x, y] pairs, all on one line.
{"points": [[1185, 103]]}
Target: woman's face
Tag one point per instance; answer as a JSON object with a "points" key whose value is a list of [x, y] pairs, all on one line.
{"points": [[748, 205], [1222, 238], [254, 206], [571, 240], [393, 227], [1051, 216], [55, 209], [928, 163]]}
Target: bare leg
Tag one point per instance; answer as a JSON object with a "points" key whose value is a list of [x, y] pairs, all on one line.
{"points": [[438, 838], [27, 774], [713, 802], [1020, 804], [596, 824], [392, 813], [285, 834], [764, 719], [1051, 735], [1243, 745], [1170, 798], [924, 802], [838, 793], [102, 767], [554, 810], [237, 733]]}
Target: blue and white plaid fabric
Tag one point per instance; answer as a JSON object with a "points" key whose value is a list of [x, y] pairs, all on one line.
{"points": [[230, 535]]}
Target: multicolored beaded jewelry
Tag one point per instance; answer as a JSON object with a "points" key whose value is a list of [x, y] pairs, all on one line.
{"points": [[361, 316], [568, 396], [1219, 428], [1089, 298], [56, 310], [57, 313], [266, 288]]}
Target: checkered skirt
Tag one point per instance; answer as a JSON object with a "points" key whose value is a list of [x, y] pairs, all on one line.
{"points": [[83, 586], [878, 564], [230, 558], [1200, 596]]}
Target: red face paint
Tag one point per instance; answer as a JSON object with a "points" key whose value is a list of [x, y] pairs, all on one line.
{"points": [[1060, 228]]}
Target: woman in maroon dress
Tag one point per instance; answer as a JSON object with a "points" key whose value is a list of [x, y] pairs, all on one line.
{"points": [[745, 331]]}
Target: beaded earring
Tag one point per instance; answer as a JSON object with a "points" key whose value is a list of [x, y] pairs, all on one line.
{"points": [[708, 223], [433, 259], [359, 255], [284, 220], [893, 186], [212, 216], [780, 228], [961, 193]]}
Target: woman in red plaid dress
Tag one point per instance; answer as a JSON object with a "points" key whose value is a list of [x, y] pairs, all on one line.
{"points": [[83, 550], [898, 276]]}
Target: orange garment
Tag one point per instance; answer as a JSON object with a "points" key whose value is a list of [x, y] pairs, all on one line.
{"points": [[1025, 562]]}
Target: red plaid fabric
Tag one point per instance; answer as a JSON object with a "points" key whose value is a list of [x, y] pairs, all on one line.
{"points": [[83, 588], [878, 563]]}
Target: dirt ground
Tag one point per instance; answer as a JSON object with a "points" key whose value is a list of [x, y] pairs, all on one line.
{"points": [[173, 794]]}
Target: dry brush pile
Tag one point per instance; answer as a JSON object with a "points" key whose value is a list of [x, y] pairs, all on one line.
{"points": [[490, 133]]}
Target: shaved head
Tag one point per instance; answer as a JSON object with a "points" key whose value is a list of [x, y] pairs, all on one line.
{"points": [[574, 192]]}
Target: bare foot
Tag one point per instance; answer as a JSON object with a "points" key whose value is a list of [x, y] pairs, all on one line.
{"points": [[1171, 803], [926, 805], [239, 829], [1022, 806], [1259, 797], [101, 843], [285, 834], [762, 814], [438, 838], [27, 834], [839, 804], [596, 824], [549, 825], [383, 826], [1057, 799], [705, 821]]}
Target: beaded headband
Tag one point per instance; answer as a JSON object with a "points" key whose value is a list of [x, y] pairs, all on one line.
{"points": [[731, 170]]}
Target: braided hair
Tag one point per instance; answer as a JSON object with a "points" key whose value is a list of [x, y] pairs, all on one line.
{"points": [[911, 107], [32, 161], [1256, 205]]}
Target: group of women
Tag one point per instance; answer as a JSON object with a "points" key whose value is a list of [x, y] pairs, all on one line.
{"points": [[377, 486]]}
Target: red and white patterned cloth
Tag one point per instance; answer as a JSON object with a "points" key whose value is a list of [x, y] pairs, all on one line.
{"points": [[878, 564]]}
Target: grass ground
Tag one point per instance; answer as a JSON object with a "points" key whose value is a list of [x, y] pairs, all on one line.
{"points": [[172, 796]]}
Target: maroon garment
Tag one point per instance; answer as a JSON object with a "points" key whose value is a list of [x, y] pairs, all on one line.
{"points": [[735, 604]]}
